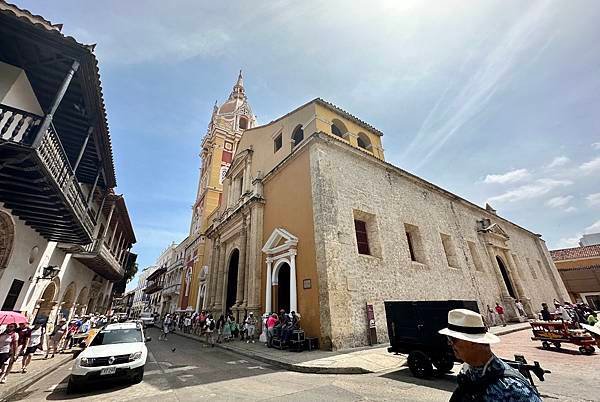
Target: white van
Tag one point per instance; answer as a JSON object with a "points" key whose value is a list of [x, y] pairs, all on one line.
{"points": [[147, 318]]}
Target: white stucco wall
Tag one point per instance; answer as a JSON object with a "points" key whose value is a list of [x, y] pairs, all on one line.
{"points": [[16, 91]]}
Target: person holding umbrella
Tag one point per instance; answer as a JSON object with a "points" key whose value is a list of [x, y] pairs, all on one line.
{"points": [[9, 341]]}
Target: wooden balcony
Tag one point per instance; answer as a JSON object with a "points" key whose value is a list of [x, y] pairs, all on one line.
{"points": [[38, 184], [98, 257]]}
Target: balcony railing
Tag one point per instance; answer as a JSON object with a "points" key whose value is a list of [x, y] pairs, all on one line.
{"points": [[101, 259], [172, 289], [18, 127]]}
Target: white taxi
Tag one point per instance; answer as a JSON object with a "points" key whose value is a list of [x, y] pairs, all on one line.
{"points": [[116, 351]]}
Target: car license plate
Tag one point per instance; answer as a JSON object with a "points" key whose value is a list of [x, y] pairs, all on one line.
{"points": [[108, 371]]}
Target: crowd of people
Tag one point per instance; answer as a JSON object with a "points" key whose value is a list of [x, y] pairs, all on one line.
{"points": [[225, 328], [47, 338], [578, 313]]}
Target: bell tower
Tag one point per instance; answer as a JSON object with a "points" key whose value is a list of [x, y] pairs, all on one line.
{"points": [[218, 148]]}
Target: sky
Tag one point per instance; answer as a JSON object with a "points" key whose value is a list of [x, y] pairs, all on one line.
{"points": [[496, 101]]}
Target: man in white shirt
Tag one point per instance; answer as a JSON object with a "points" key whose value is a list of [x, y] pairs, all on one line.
{"points": [[562, 312]]}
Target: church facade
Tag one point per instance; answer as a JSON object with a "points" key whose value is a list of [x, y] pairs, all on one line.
{"points": [[313, 219]]}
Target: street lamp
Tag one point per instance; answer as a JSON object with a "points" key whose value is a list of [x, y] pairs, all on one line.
{"points": [[48, 272]]}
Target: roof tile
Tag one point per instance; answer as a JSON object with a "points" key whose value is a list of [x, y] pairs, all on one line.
{"points": [[576, 253]]}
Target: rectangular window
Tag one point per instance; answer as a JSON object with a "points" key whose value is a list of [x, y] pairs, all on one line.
{"points": [[415, 244], [449, 250], [278, 143], [13, 295], [531, 268], [362, 239], [475, 256]]}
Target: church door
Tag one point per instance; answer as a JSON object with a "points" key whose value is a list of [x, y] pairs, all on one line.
{"points": [[506, 278], [283, 288], [232, 279]]}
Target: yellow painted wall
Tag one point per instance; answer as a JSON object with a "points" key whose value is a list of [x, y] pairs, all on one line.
{"points": [[289, 206], [326, 116]]}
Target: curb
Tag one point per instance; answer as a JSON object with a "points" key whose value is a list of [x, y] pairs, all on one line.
{"points": [[10, 390], [511, 330], [287, 366]]}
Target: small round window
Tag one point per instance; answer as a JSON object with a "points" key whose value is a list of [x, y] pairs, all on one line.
{"points": [[33, 254]]}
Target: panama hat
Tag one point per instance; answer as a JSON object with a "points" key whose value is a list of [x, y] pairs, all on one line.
{"points": [[468, 325]]}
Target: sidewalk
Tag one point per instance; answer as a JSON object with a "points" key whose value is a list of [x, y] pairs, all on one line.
{"points": [[370, 359], [37, 369]]}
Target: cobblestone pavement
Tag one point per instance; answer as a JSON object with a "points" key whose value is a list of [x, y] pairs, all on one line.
{"points": [[574, 377]]}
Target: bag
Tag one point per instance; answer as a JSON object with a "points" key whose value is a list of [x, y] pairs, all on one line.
{"points": [[211, 326]]}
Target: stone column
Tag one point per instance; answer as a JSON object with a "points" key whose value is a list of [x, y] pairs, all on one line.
{"points": [[293, 290], [247, 263], [239, 298], [219, 281], [269, 286], [212, 274], [518, 284]]}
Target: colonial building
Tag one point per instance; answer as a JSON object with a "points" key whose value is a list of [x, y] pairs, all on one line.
{"points": [[579, 268], [65, 236], [313, 219]]}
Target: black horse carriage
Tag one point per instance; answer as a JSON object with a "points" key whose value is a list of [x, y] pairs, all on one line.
{"points": [[413, 330]]}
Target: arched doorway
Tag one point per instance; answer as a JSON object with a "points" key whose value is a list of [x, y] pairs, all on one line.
{"points": [[506, 277], [232, 275], [47, 303], [7, 236], [81, 301], [67, 301], [283, 287]]}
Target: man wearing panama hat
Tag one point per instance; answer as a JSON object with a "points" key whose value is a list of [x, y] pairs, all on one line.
{"points": [[484, 377]]}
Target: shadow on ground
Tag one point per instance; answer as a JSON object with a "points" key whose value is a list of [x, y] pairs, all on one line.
{"points": [[444, 382]]}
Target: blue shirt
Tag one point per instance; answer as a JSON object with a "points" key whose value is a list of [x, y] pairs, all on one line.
{"points": [[503, 383]]}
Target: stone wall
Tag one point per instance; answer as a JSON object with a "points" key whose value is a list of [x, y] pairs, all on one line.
{"points": [[347, 184]]}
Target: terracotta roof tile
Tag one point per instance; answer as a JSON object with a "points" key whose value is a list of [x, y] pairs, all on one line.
{"points": [[584, 268], [576, 253]]}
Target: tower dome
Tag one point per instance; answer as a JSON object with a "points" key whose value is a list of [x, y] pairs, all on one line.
{"points": [[236, 109]]}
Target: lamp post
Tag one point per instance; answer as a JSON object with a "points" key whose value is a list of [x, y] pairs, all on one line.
{"points": [[48, 272]]}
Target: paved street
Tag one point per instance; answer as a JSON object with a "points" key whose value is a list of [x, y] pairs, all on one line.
{"points": [[195, 372]]}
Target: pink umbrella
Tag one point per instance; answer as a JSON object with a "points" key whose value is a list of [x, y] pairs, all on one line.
{"points": [[12, 317]]}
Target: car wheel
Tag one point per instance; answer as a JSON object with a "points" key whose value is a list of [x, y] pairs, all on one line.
{"points": [[138, 376], [420, 364]]}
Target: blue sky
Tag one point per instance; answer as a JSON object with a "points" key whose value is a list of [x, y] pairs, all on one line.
{"points": [[493, 100]]}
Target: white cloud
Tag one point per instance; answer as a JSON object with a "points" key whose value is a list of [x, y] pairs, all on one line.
{"points": [[593, 199], [568, 242], [559, 201], [558, 161], [570, 209], [508, 177], [528, 191], [596, 145], [593, 228], [591, 166]]}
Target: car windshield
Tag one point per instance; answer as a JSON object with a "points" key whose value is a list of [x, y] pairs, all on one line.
{"points": [[112, 336]]}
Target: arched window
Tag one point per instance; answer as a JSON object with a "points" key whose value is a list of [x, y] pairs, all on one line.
{"points": [[243, 123], [338, 128], [363, 141], [297, 136]]}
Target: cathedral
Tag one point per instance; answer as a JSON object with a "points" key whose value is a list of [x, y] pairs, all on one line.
{"points": [[304, 214]]}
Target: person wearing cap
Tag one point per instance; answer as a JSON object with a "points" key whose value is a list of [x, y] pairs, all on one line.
{"points": [[483, 377], [56, 337]]}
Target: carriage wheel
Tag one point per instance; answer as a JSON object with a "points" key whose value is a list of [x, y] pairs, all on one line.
{"points": [[444, 366], [420, 364], [582, 350], [557, 345], [546, 345], [589, 350]]}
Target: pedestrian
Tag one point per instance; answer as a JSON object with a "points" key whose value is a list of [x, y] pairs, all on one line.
{"points": [[34, 342], [271, 322], [491, 314], [56, 338], [500, 312], [210, 330], [23, 331], [562, 312], [545, 313], [227, 329], [483, 377], [520, 308], [220, 325], [592, 318], [166, 328], [9, 340], [250, 327], [187, 323]]}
